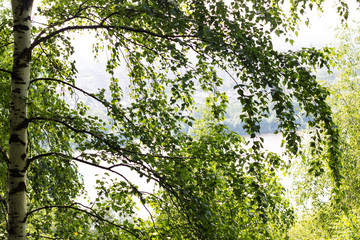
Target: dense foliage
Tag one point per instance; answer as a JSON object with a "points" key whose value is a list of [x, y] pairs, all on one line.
{"points": [[210, 184]]}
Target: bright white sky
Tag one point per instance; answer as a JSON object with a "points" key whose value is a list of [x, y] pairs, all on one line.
{"points": [[322, 28]]}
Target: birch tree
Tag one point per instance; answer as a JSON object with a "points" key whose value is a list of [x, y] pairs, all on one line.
{"points": [[48, 133], [20, 81]]}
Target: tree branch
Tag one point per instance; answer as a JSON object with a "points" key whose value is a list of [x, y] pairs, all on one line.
{"points": [[94, 27]]}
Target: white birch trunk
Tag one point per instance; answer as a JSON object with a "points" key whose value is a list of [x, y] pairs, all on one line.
{"points": [[18, 116]]}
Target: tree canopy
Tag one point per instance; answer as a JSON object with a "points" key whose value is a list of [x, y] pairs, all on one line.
{"points": [[211, 184]]}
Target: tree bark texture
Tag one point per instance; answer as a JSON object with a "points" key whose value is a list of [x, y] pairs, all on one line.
{"points": [[18, 119]]}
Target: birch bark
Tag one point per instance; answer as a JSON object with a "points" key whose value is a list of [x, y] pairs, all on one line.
{"points": [[18, 119]]}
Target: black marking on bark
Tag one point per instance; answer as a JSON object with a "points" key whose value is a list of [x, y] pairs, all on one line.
{"points": [[23, 65], [20, 81], [15, 138], [23, 156], [15, 173], [21, 187], [16, 90], [21, 27]]}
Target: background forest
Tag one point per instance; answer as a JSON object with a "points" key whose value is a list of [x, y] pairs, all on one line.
{"points": [[320, 218], [166, 102]]}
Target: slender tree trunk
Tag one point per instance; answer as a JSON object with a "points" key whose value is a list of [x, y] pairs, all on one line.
{"points": [[18, 120]]}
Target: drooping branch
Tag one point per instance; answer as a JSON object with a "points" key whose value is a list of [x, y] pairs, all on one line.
{"points": [[110, 169], [88, 211], [156, 177]]}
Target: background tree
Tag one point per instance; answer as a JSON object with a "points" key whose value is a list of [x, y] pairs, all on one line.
{"points": [[322, 218], [51, 129]]}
